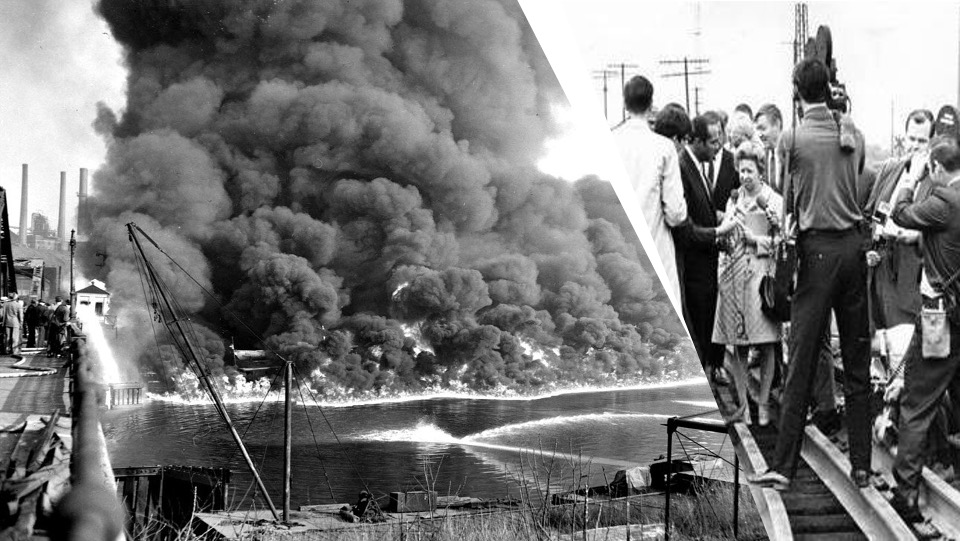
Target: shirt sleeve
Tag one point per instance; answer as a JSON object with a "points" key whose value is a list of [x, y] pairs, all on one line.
{"points": [[932, 213], [784, 159], [671, 190]]}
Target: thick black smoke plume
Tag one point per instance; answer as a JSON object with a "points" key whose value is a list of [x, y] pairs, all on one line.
{"points": [[357, 181]]}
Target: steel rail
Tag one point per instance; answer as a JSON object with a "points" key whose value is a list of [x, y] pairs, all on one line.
{"points": [[867, 507], [939, 502], [770, 505]]}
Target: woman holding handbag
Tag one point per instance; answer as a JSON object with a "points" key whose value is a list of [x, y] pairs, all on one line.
{"points": [[741, 325]]}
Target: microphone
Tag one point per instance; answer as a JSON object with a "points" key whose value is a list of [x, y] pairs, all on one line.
{"points": [[762, 201]]}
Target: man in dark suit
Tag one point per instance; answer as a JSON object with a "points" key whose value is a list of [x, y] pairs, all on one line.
{"points": [[896, 256], [706, 190]]}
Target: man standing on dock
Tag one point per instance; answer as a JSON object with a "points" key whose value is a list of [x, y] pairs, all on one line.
{"points": [[831, 274], [32, 319], [12, 323]]}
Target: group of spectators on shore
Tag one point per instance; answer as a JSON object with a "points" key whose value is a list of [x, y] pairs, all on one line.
{"points": [[874, 244], [40, 324]]}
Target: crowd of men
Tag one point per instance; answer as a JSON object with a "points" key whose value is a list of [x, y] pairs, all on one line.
{"points": [[874, 242], [39, 324]]}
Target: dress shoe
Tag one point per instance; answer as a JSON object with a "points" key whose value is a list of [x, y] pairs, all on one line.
{"points": [[861, 477], [908, 511], [770, 479], [720, 376]]}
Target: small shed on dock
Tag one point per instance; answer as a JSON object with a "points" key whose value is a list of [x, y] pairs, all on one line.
{"points": [[96, 296]]}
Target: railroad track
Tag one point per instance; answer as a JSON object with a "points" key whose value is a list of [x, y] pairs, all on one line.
{"points": [[823, 503], [939, 501]]}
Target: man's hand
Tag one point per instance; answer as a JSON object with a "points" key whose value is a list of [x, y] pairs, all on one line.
{"points": [[727, 225], [918, 163]]}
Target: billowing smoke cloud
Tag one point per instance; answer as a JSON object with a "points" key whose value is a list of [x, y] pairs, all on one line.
{"points": [[356, 181]]}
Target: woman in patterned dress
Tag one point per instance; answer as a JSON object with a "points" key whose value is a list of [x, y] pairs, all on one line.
{"points": [[740, 324]]}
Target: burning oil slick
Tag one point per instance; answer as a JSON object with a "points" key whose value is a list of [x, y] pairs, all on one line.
{"points": [[341, 173]]}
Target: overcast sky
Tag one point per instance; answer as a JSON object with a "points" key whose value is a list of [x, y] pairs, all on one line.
{"points": [[893, 53], [58, 61]]}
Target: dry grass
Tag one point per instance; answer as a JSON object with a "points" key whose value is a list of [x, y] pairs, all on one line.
{"points": [[705, 513]]}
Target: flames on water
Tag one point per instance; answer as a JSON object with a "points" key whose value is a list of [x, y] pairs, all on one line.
{"points": [[98, 345], [356, 182]]}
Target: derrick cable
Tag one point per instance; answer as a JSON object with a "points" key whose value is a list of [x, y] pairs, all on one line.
{"points": [[216, 300], [313, 433], [153, 327], [233, 455], [253, 482], [262, 341], [212, 296], [144, 266], [257, 412], [172, 307], [353, 464], [182, 347]]}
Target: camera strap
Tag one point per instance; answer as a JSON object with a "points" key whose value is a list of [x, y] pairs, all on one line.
{"points": [[789, 201]]}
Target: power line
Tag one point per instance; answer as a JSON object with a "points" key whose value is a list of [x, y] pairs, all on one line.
{"points": [[691, 67], [623, 81], [604, 74]]}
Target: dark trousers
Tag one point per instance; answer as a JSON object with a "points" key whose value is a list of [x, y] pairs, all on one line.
{"points": [[831, 274], [31, 336], [925, 381], [700, 308]]}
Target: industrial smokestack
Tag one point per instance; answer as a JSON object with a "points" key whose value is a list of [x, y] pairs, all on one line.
{"points": [[62, 221], [82, 204], [23, 208]]}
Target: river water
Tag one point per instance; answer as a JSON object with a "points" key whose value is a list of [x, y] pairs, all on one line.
{"points": [[488, 448]]}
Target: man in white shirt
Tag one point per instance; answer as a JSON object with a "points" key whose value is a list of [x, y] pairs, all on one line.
{"points": [[652, 167]]}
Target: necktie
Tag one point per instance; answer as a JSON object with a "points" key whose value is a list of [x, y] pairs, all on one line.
{"points": [[772, 171], [710, 175]]}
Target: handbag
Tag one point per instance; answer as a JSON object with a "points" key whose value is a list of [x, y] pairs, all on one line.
{"points": [[776, 290]]}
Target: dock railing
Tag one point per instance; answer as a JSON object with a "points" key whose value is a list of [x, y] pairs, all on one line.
{"points": [[91, 510]]}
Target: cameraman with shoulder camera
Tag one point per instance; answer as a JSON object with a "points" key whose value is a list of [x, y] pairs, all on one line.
{"points": [[824, 163]]}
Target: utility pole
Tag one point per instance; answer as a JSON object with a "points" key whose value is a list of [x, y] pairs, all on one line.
{"points": [[800, 36], [603, 74], [623, 82], [691, 66], [696, 101]]}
